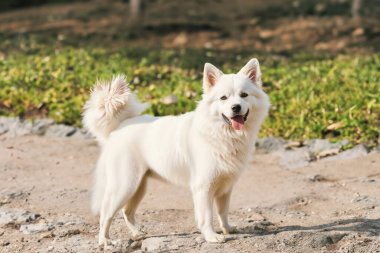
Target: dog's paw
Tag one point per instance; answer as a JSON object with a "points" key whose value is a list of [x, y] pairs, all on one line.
{"points": [[138, 235], [229, 230], [215, 238], [104, 242]]}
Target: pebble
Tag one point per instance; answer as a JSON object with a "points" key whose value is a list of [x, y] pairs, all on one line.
{"points": [[16, 216], [69, 232], [322, 240], [316, 178], [35, 228], [6, 197], [319, 148], [167, 243], [357, 151], [270, 144], [14, 126], [255, 217], [60, 131], [135, 244], [5, 243]]}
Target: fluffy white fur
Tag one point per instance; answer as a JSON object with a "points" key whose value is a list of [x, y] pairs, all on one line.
{"points": [[202, 149]]}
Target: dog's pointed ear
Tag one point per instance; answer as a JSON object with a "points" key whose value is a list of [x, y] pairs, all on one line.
{"points": [[211, 74], [252, 71]]}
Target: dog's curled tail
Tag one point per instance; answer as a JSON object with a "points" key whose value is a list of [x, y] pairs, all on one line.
{"points": [[110, 103]]}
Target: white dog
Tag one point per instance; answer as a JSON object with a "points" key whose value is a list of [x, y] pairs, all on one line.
{"points": [[206, 149]]}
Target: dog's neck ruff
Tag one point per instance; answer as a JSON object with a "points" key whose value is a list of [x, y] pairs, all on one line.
{"points": [[232, 148]]}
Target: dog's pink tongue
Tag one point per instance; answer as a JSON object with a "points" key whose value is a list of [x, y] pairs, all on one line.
{"points": [[237, 122]]}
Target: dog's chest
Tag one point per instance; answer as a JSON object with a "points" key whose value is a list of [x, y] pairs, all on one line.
{"points": [[232, 156]]}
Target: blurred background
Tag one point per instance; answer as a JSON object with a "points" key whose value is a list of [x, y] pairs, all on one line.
{"points": [[320, 59]]}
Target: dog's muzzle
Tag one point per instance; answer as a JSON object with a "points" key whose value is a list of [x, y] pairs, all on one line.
{"points": [[228, 121]]}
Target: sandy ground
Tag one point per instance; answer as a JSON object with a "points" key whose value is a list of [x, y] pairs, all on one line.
{"points": [[324, 207]]}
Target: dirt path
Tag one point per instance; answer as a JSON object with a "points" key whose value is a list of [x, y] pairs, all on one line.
{"points": [[263, 26], [324, 207]]}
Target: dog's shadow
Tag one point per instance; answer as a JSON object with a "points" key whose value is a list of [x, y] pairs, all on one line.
{"points": [[263, 228], [370, 226]]}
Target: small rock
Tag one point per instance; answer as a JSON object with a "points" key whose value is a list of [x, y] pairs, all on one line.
{"points": [[16, 216], [3, 127], [357, 151], [169, 100], [6, 196], [167, 243], [293, 159], [59, 223], [82, 134], [5, 243], [152, 244], [270, 144], [321, 148], [136, 244], [293, 144], [45, 235], [15, 126], [60, 131], [322, 240], [4, 201], [266, 223], [39, 126], [255, 217], [69, 232], [328, 152], [316, 178], [35, 228]]}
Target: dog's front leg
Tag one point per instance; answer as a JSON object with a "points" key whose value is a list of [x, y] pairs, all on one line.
{"points": [[203, 215], [222, 203]]}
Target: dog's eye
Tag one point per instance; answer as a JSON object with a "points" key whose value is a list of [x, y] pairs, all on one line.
{"points": [[223, 98], [243, 95]]}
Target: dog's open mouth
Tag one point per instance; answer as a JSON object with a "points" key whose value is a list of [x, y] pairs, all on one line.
{"points": [[237, 121]]}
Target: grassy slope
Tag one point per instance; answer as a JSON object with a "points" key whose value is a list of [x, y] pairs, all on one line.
{"points": [[311, 96]]}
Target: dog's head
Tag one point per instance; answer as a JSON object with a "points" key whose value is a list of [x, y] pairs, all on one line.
{"points": [[234, 99]]}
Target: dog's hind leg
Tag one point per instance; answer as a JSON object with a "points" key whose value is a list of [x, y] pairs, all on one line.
{"points": [[129, 209], [106, 216], [121, 186], [222, 203]]}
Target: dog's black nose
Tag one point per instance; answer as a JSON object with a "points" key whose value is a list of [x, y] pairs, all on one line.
{"points": [[236, 108]]}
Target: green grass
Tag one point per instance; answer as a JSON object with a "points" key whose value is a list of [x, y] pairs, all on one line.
{"points": [[312, 96]]}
